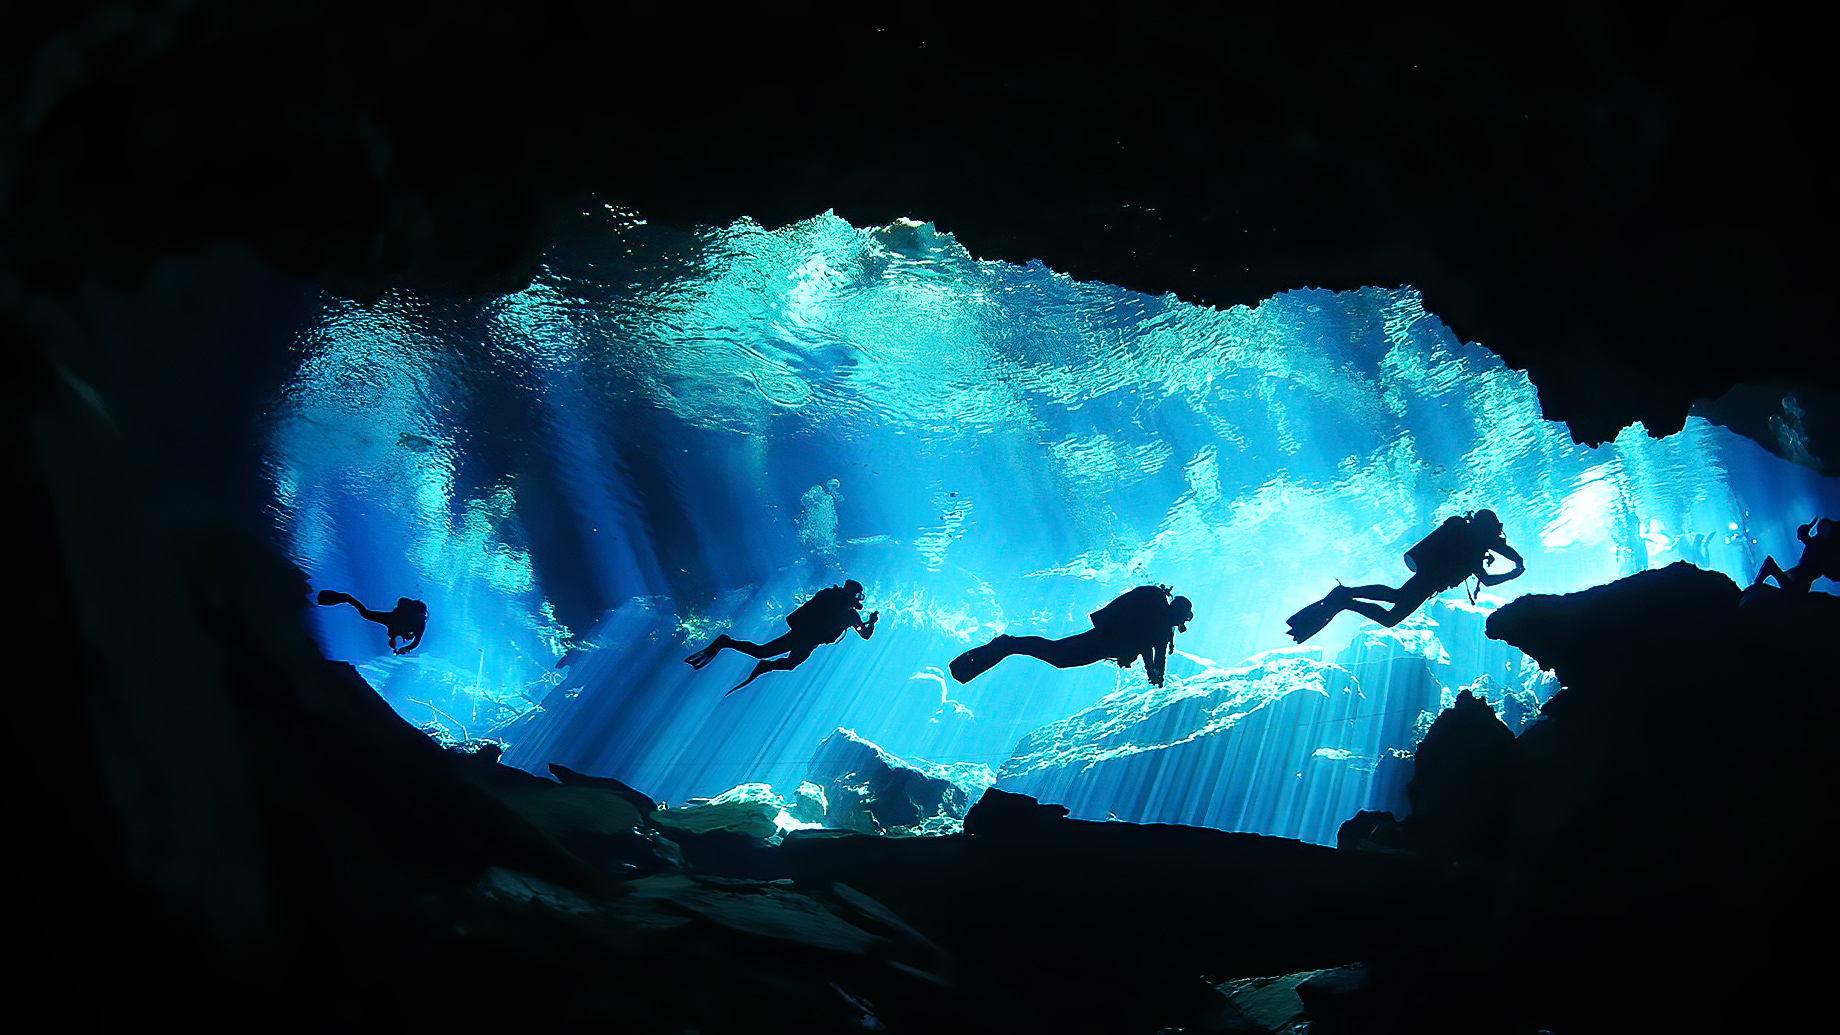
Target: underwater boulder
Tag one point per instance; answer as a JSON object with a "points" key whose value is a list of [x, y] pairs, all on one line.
{"points": [[1283, 744], [1668, 617], [1651, 824], [751, 810], [1372, 831], [598, 826], [1264, 1004], [682, 952], [1000, 812], [1464, 781], [594, 818], [869, 790], [570, 777]]}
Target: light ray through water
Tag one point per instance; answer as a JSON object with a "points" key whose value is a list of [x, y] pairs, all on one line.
{"points": [[668, 435]]}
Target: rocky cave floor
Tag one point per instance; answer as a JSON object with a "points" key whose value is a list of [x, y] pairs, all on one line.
{"points": [[1644, 854], [215, 826]]}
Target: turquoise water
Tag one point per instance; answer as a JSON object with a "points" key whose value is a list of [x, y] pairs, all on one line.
{"points": [[671, 434]]}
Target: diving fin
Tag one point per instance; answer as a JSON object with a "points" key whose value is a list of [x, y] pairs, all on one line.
{"points": [[1310, 621], [977, 661], [707, 655]]}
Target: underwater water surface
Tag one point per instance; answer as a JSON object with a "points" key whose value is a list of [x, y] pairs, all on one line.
{"points": [[669, 434]]}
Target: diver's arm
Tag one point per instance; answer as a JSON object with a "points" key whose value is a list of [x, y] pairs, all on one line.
{"points": [[866, 629], [1154, 661], [1520, 566], [415, 640]]}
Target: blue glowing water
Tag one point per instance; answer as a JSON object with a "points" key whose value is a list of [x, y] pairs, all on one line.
{"points": [[668, 435]]}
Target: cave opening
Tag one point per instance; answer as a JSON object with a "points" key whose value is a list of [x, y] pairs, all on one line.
{"points": [[668, 434]]}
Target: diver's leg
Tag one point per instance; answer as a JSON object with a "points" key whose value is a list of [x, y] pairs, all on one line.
{"points": [[1069, 652], [1405, 600], [772, 648], [331, 598], [1375, 592], [791, 661], [380, 617]]}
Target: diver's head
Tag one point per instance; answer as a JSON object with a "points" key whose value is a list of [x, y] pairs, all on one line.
{"points": [[1486, 521], [1181, 612], [413, 607], [854, 589]]}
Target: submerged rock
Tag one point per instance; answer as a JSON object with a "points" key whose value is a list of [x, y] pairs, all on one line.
{"points": [[1286, 743], [1652, 824], [1464, 785], [1070, 925], [570, 777], [1284, 735], [1265, 1004], [751, 810], [1373, 832], [866, 789]]}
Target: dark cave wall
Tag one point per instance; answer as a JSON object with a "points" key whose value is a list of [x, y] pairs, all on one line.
{"points": [[1626, 207]]}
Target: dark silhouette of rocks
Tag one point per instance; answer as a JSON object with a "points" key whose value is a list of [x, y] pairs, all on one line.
{"points": [[1464, 782], [231, 827], [1651, 831], [570, 777], [1595, 227], [1654, 823], [1067, 924]]}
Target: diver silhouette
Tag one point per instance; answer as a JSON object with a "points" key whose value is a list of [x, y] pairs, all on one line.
{"points": [[823, 619], [1820, 558], [1454, 551], [1139, 623], [408, 621]]}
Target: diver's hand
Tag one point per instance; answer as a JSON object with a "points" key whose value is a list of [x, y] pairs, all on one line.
{"points": [[873, 615]]}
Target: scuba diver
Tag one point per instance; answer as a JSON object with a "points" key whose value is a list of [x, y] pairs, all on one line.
{"points": [[1140, 623], [822, 619], [1820, 558], [407, 622], [1458, 549]]}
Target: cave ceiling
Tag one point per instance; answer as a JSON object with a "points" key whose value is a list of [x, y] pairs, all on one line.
{"points": [[1629, 208]]}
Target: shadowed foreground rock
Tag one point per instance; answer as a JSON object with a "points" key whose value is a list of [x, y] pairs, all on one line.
{"points": [[245, 824], [391, 876], [1650, 848], [1629, 209]]}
